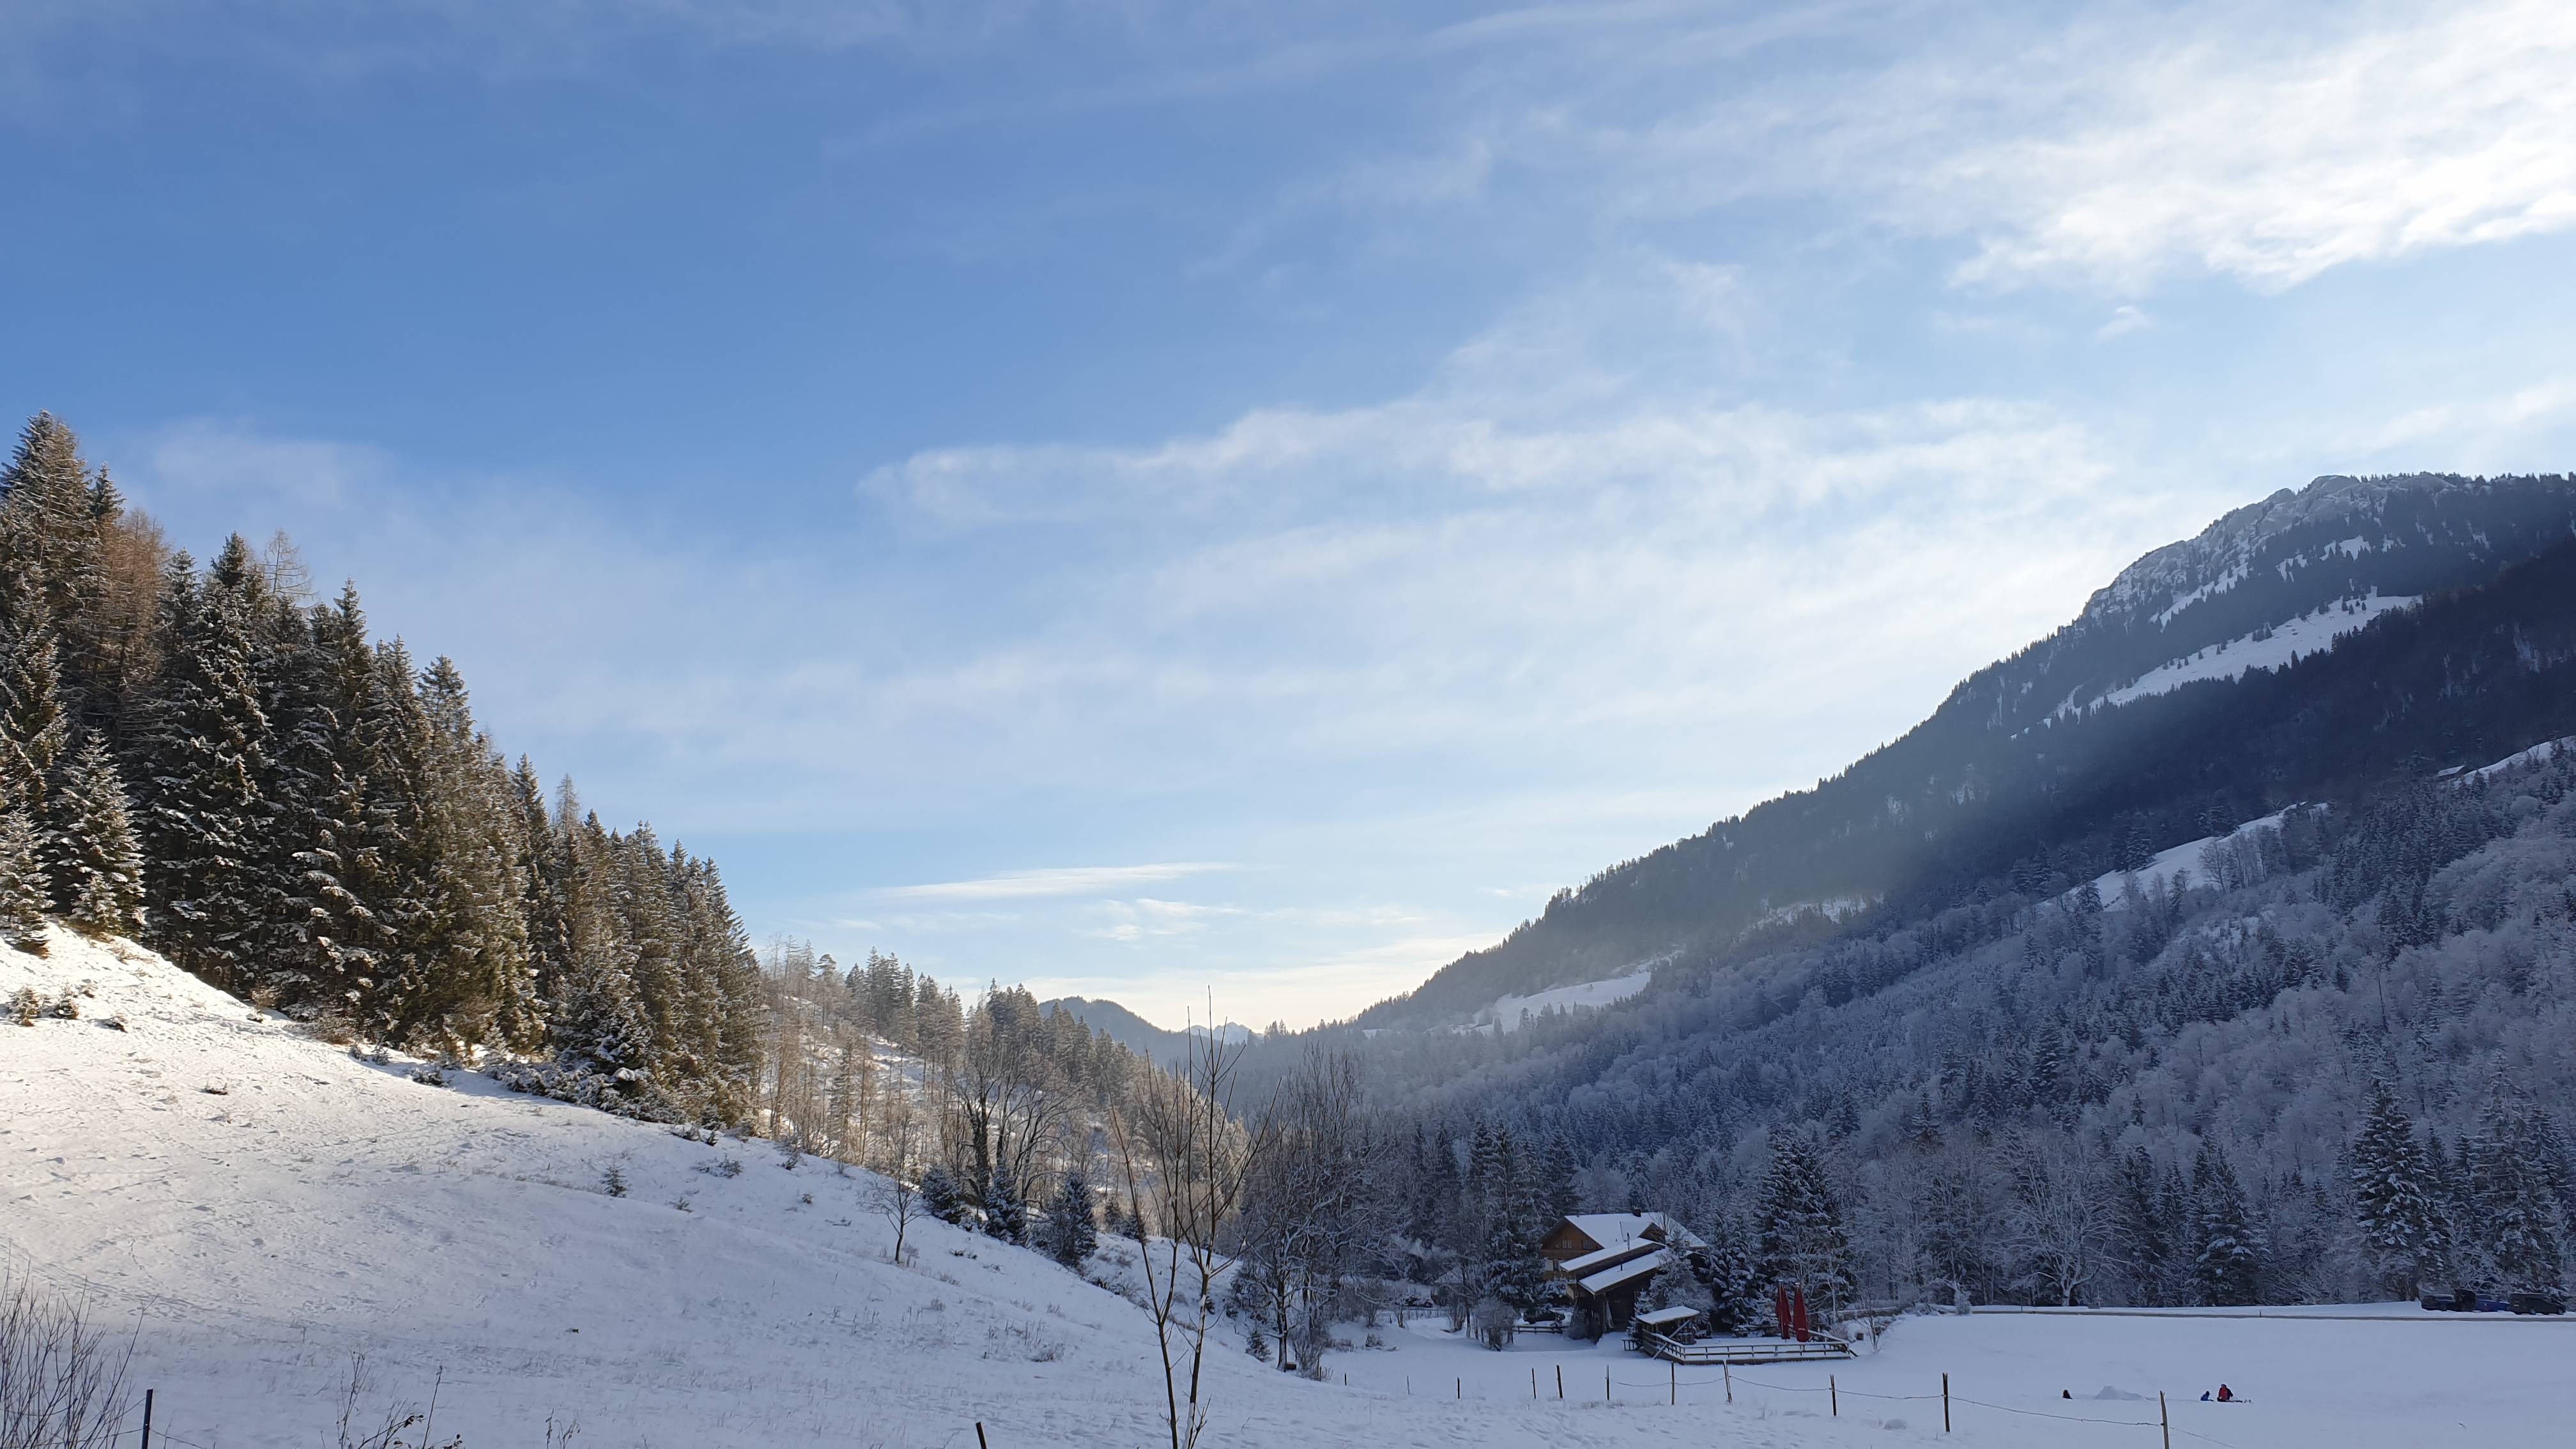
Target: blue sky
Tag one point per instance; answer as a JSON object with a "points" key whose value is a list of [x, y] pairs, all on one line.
{"points": [[1238, 502]]}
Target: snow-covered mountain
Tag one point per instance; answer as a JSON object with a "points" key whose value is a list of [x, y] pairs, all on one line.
{"points": [[2337, 552]]}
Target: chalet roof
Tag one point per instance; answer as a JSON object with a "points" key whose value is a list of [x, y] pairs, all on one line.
{"points": [[1604, 1257], [1667, 1317], [1610, 1230], [1618, 1273]]}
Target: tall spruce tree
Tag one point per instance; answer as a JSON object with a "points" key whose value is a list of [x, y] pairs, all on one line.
{"points": [[35, 730], [2520, 1218], [201, 754], [99, 876], [1799, 1222], [50, 537], [2392, 1188], [2227, 1247], [22, 879]]}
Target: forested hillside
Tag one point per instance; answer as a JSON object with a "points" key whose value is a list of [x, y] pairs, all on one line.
{"points": [[215, 762], [2030, 754]]}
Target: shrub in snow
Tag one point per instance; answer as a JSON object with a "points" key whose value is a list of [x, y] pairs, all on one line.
{"points": [[429, 1076], [26, 1006], [618, 1094], [722, 1167], [613, 1181]]}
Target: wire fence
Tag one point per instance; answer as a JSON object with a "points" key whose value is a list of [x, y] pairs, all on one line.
{"points": [[1726, 1381], [1674, 1386]]}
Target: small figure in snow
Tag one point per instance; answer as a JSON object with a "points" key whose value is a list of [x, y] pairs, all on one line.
{"points": [[2204, 1396], [2226, 1394]]}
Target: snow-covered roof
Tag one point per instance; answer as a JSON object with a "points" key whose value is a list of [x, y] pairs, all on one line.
{"points": [[1618, 1273], [1667, 1317], [1611, 1230], [1604, 1257]]}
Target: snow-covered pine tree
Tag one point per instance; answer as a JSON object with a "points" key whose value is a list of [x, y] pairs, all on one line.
{"points": [[2521, 1218], [1800, 1225], [471, 936], [1725, 1269], [942, 1198], [328, 942], [2227, 1247], [50, 538], [100, 875], [22, 880], [1006, 1215], [1556, 1196], [593, 1019], [35, 731], [2392, 1188], [548, 863], [199, 757], [1514, 1272], [1073, 1233]]}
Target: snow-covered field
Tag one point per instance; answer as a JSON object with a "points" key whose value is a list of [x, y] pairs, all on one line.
{"points": [[259, 1205]]}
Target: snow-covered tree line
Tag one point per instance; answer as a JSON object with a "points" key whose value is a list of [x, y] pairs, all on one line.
{"points": [[2035, 1094], [210, 761]]}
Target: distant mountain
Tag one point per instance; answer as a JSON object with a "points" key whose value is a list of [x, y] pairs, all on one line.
{"points": [[2073, 741], [1134, 1032]]}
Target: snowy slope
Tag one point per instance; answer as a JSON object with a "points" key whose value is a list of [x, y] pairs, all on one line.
{"points": [[1506, 1014], [320, 1205], [2268, 648]]}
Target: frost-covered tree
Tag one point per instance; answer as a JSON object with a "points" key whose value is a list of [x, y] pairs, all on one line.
{"points": [[943, 1199], [1006, 1213], [2520, 1217], [1800, 1223], [201, 753], [2227, 1246], [1072, 1229], [2392, 1187], [22, 880], [98, 874]]}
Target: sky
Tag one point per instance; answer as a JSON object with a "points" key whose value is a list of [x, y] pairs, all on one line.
{"points": [[1227, 506]]}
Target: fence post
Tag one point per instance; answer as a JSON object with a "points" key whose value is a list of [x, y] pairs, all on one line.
{"points": [[147, 1419], [1945, 1403], [1728, 1369], [979, 1436], [1533, 1383], [2164, 1420], [1605, 1388], [1674, 1382], [1461, 1386], [1560, 1383], [1834, 1396]]}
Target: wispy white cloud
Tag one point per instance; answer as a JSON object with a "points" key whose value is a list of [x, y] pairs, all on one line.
{"points": [[2101, 148], [1074, 880], [2125, 319]]}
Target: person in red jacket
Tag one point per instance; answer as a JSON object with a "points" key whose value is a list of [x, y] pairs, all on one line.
{"points": [[2225, 1394]]}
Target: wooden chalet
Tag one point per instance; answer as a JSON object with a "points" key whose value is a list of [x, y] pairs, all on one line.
{"points": [[1605, 1259]]}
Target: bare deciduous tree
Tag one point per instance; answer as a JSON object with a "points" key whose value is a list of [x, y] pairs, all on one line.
{"points": [[1185, 1161], [898, 1194], [62, 1380]]}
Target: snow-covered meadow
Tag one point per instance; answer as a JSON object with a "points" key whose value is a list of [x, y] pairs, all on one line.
{"points": [[260, 1206]]}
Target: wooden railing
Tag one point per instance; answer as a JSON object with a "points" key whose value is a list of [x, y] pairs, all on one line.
{"points": [[1743, 1350]]}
